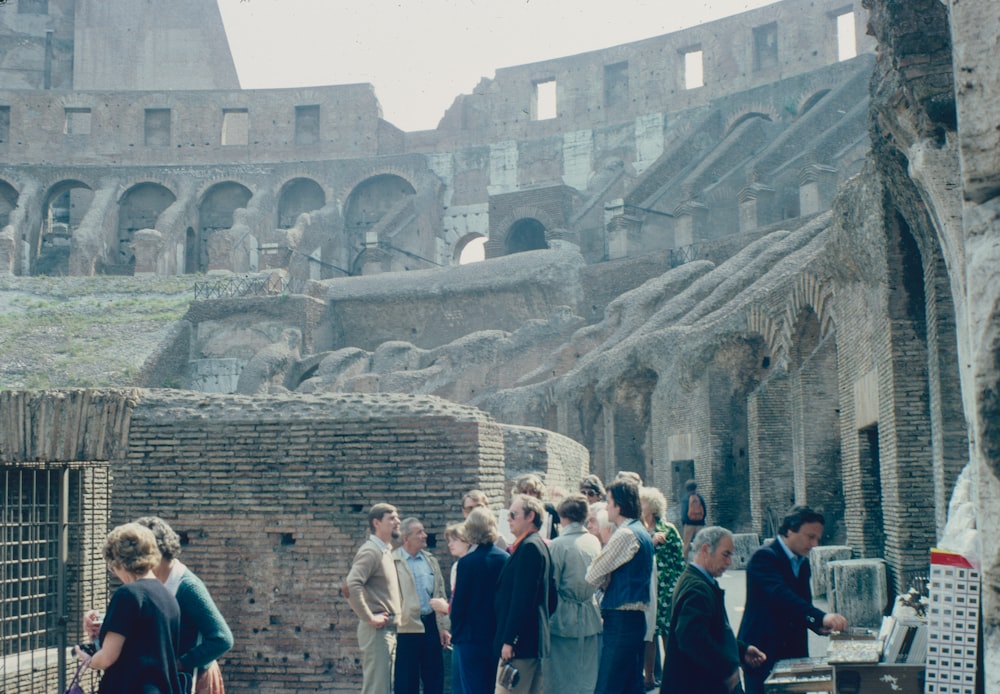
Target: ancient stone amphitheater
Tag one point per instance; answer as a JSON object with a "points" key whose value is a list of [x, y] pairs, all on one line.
{"points": [[247, 311]]}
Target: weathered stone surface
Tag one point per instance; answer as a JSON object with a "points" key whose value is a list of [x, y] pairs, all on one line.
{"points": [[745, 545], [819, 560], [858, 590]]}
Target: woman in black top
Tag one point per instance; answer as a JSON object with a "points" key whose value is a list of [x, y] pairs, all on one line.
{"points": [[141, 632]]}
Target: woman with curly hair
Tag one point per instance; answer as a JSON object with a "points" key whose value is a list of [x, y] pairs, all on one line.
{"points": [[669, 554], [140, 635]]}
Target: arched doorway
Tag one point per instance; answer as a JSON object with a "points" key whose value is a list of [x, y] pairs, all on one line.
{"points": [[368, 203], [139, 208], [8, 201], [526, 234], [64, 209], [298, 196], [470, 249], [215, 213]]}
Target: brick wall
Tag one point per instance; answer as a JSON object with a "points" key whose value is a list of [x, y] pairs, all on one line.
{"points": [[271, 495]]}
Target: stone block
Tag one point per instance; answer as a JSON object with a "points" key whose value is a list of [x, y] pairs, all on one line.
{"points": [[745, 545], [858, 590], [819, 558]]}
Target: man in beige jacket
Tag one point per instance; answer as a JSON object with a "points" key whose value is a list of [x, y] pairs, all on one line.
{"points": [[373, 590], [422, 632]]}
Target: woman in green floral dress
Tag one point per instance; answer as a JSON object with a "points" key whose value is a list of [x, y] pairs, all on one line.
{"points": [[669, 554]]}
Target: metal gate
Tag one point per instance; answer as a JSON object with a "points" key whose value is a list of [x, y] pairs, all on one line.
{"points": [[52, 525]]}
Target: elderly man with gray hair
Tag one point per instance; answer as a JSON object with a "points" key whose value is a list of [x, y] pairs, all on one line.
{"points": [[422, 633], [703, 655]]}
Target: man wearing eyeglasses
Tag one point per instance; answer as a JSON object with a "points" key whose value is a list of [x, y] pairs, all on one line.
{"points": [[523, 600], [592, 488]]}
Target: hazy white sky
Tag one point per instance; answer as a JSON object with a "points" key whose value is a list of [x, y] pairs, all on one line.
{"points": [[421, 54]]}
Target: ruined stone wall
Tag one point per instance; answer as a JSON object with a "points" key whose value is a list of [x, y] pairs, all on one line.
{"points": [[270, 494], [431, 308], [32, 57], [560, 461], [117, 131], [615, 84]]}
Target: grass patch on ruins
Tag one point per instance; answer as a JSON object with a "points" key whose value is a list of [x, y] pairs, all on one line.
{"points": [[84, 331]]}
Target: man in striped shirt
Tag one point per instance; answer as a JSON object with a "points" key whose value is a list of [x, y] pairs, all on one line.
{"points": [[624, 570]]}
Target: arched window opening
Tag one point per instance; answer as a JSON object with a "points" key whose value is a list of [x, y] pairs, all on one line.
{"points": [[471, 249], [369, 202], [64, 209], [216, 213], [298, 196], [140, 207], [8, 201], [526, 235]]}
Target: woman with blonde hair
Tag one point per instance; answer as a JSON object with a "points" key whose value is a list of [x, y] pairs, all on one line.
{"points": [[140, 635], [669, 555], [473, 622]]}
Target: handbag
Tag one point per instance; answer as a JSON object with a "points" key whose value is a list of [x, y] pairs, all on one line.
{"points": [[74, 686]]}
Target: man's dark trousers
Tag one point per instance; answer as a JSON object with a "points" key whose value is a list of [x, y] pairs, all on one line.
{"points": [[622, 652], [419, 658]]}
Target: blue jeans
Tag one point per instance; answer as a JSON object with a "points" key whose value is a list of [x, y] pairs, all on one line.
{"points": [[622, 654]]}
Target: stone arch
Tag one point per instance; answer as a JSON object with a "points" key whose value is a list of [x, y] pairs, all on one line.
{"points": [[138, 208], [809, 100], [215, 213], [774, 333], [748, 113], [8, 201], [526, 234], [297, 196], [368, 203], [463, 244], [498, 243], [63, 209]]}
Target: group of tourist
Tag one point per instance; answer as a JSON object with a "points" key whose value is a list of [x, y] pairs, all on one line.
{"points": [[579, 597], [162, 631]]}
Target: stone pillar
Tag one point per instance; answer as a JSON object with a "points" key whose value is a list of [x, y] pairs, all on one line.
{"points": [[745, 545], [977, 98], [858, 590], [692, 218], [8, 251], [770, 452], [819, 560], [148, 246], [756, 202], [621, 225], [817, 186]]}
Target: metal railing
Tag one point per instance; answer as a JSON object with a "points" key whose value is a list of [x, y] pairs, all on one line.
{"points": [[684, 254], [232, 287]]}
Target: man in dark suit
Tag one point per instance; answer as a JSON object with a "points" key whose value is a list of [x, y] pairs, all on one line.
{"points": [[522, 598], [703, 655], [779, 605]]}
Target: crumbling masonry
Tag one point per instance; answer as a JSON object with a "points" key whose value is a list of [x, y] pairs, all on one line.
{"points": [[779, 282]]}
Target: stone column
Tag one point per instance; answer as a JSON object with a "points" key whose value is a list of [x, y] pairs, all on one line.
{"points": [[975, 34], [147, 245], [755, 202]]}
